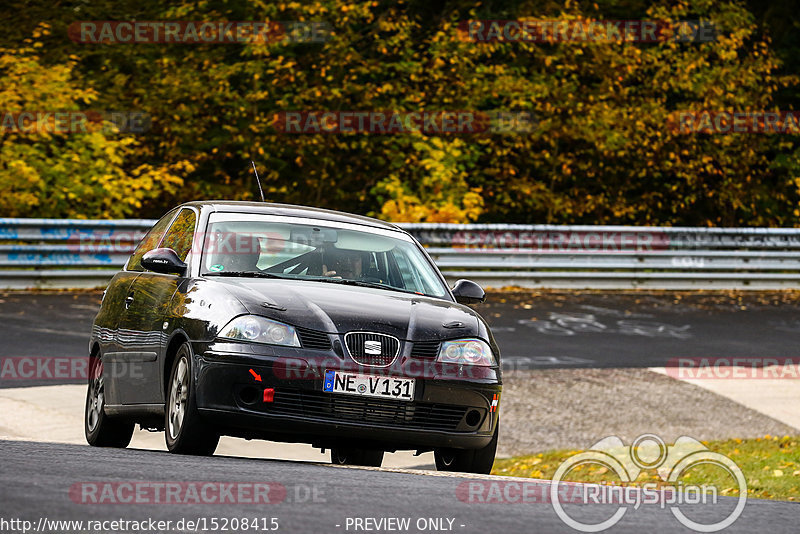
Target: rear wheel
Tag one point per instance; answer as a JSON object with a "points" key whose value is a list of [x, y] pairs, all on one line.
{"points": [[477, 461], [100, 429], [354, 456], [185, 432]]}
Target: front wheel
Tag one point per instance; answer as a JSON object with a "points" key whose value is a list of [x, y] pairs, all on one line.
{"points": [[353, 456], [185, 432], [100, 429], [478, 461]]}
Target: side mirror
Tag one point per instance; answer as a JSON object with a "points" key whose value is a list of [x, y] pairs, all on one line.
{"points": [[164, 261], [468, 292]]}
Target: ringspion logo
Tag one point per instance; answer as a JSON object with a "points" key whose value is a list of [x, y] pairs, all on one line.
{"points": [[649, 451]]}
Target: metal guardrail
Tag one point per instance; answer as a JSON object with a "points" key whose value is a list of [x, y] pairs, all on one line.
{"points": [[65, 253], [54, 253]]}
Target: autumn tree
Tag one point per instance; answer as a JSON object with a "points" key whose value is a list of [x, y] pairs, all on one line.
{"points": [[77, 169], [601, 152]]}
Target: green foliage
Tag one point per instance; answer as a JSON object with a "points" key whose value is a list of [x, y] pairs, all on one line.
{"points": [[601, 151], [48, 173]]}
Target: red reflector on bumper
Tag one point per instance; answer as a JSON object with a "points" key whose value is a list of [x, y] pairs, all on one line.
{"points": [[269, 395]]}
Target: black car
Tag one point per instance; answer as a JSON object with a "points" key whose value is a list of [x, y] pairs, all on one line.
{"points": [[293, 324]]}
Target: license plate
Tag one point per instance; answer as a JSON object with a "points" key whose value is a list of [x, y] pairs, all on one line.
{"points": [[369, 386]]}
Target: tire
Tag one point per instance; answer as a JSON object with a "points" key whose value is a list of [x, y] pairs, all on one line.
{"points": [[100, 429], [354, 456], [478, 461], [184, 430]]}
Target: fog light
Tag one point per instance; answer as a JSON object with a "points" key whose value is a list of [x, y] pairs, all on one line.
{"points": [[269, 395], [473, 417], [249, 395]]}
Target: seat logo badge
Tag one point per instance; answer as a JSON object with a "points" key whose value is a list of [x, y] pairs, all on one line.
{"points": [[372, 347]]}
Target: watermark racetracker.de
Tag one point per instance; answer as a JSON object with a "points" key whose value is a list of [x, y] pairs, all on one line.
{"points": [[198, 32], [393, 122], [734, 122], [171, 492], [41, 122], [750, 368], [147, 525], [39, 368], [585, 31], [646, 452]]}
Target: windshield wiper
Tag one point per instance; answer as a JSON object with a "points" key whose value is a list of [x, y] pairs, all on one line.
{"points": [[243, 274], [362, 283]]}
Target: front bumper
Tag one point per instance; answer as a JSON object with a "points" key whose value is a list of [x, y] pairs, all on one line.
{"points": [[452, 407]]}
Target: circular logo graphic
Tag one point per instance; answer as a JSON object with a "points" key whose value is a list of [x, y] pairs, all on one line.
{"points": [[642, 449], [648, 451], [362, 388]]}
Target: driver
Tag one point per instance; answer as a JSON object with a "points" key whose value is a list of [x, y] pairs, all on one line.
{"points": [[343, 264]]}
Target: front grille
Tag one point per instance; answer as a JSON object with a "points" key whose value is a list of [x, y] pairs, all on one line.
{"points": [[311, 339], [335, 407], [360, 345], [425, 349]]}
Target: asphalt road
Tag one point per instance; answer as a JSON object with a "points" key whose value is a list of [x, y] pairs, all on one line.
{"points": [[640, 330], [534, 331], [36, 479]]}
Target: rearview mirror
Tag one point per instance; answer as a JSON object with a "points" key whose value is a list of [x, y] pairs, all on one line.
{"points": [[468, 292], [314, 236], [164, 261]]}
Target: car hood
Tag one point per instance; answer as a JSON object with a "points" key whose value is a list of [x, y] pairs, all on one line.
{"points": [[330, 307]]}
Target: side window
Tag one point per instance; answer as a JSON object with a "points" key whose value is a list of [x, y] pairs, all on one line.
{"points": [[180, 235], [150, 241]]}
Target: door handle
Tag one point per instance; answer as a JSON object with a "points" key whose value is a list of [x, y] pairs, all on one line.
{"points": [[128, 301]]}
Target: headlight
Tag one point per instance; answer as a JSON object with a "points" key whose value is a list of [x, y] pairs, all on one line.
{"points": [[261, 330], [466, 351]]}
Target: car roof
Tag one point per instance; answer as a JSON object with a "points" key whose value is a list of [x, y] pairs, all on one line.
{"points": [[289, 210]]}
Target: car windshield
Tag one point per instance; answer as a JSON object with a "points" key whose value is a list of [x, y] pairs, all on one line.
{"points": [[266, 246]]}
